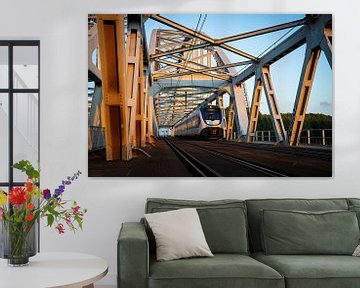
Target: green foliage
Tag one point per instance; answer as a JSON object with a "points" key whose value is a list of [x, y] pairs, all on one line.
{"points": [[312, 121], [26, 204], [26, 167]]}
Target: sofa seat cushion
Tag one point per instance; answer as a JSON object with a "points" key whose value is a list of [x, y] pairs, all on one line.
{"points": [[222, 270], [313, 271]]}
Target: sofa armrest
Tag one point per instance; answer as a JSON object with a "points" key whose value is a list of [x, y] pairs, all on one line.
{"points": [[133, 256]]}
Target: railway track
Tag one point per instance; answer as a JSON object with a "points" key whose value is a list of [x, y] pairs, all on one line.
{"points": [[196, 167], [324, 154], [194, 160]]}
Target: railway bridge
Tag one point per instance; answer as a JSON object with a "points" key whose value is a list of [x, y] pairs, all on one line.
{"points": [[140, 85]]}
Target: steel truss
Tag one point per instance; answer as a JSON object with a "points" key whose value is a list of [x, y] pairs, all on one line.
{"points": [[182, 55]]}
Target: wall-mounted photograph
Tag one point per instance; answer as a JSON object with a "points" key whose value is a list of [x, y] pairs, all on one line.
{"points": [[210, 95]]}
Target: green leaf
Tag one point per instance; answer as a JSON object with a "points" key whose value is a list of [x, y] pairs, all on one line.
{"points": [[50, 219], [26, 167]]}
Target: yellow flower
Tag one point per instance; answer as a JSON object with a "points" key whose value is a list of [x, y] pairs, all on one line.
{"points": [[3, 198]]}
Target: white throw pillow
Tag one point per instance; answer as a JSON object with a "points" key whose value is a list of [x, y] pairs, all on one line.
{"points": [[178, 234], [357, 251]]}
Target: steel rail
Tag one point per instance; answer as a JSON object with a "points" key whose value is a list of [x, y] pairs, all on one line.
{"points": [[325, 154], [194, 165], [247, 164]]}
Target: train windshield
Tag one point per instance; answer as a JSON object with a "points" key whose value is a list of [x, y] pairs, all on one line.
{"points": [[211, 113]]}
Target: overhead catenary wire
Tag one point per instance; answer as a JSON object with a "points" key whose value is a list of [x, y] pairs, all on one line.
{"points": [[267, 49], [197, 29]]}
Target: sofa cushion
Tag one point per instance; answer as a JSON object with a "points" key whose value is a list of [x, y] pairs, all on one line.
{"points": [[297, 232], [313, 271], [223, 221], [222, 270], [255, 206], [353, 201], [356, 209], [178, 234]]}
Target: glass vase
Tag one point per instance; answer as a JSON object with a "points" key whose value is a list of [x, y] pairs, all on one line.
{"points": [[18, 242]]}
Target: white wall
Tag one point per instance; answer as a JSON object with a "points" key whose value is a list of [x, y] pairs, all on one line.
{"points": [[62, 28]]}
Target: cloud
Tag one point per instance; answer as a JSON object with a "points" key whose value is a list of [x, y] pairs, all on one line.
{"points": [[325, 104]]}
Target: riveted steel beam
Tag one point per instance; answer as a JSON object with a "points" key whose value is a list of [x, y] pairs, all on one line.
{"points": [[254, 110], [201, 36], [294, 41], [274, 109], [201, 71], [220, 103], [241, 119], [133, 55], [112, 48], [326, 44], [230, 121], [303, 94], [187, 47], [261, 31]]}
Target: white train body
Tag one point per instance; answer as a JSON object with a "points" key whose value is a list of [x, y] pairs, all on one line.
{"points": [[204, 122]]}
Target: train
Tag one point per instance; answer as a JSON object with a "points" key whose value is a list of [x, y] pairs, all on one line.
{"points": [[206, 122]]}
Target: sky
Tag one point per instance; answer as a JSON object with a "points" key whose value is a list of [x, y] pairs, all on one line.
{"points": [[285, 72]]}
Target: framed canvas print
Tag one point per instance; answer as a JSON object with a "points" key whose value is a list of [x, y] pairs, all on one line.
{"points": [[210, 95]]}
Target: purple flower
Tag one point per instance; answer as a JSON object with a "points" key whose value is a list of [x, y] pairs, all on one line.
{"points": [[68, 181], [58, 192], [46, 194]]}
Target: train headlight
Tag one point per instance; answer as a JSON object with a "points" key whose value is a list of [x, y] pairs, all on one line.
{"points": [[212, 122]]}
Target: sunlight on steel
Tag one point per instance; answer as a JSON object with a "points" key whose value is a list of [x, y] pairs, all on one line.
{"points": [[185, 79], [200, 36]]}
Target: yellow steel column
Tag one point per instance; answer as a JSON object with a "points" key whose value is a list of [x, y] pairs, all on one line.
{"points": [[111, 44], [269, 90], [241, 118], [150, 114], [254, 111], [133, 48], [326, 44], [230, 121], [303, 94], [220, 103], [140, 106]]}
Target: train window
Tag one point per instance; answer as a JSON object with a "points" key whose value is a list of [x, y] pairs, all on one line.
{"points": [[213, 113]]}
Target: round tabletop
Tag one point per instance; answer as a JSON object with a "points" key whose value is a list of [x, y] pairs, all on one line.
{"points": [[45, 270]]}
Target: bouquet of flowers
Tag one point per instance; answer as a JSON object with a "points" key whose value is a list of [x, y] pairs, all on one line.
{"points": [[23, 206]]}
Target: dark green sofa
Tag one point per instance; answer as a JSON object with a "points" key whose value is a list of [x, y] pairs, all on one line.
{"points": [[233, 231]]}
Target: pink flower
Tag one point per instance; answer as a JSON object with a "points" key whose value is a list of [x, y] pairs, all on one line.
{"points": [[1, 214], [60, 228], [68, 219], [76, 210]]}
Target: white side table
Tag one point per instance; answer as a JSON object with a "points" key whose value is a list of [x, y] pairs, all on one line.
{"points": [[50, 270]]}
